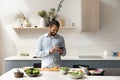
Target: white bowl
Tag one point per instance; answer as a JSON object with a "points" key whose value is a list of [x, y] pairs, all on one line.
{"points": [[74, 76], [97, 71], [64, 71]]}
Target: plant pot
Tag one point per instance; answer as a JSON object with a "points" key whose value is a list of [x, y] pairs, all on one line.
{"points": [[42, 22], [26, 23], [48, 21]]}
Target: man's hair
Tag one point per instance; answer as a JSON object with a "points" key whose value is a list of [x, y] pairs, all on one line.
{"points": [[54, 22]]}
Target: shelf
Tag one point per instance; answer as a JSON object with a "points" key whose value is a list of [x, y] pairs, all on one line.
{"points": [[32, 32], [40, 28]]}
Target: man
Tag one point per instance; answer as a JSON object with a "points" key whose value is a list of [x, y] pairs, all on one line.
{"points": [[51, 46]]}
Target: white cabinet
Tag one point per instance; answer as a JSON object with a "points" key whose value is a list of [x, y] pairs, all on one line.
{"points": [[90, 15]]}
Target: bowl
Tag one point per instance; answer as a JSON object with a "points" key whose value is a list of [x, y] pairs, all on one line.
{"points": [[32, 72], [96, 71], [75, 74], [64, 71], [18, 74], [32, 75]]}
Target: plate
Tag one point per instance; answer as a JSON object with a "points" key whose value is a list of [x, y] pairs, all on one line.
{"points": [[96, 71]]}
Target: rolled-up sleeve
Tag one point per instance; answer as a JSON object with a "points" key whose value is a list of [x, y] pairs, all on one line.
{"points": [[40, 52], [64, 47]]}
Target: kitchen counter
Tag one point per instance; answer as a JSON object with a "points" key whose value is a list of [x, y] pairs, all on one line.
{"points": [[48, 75], [68, 61], [63, 58]]}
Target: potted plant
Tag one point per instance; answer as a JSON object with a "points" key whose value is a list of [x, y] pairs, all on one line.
{"points": [[21, 16], [53, 13], [42, 15], [23, 21]]}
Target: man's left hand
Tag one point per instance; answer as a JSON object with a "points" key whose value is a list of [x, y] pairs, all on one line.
{"points": [[60, 51]]}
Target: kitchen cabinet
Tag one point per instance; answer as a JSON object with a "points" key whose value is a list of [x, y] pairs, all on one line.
{"points": [[93, 63], [68, 63], [15, 64], [90, 13], [31, 63], [19, 64]]}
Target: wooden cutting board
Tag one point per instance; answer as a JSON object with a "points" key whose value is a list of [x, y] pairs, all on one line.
{"points": [[50, 69]]}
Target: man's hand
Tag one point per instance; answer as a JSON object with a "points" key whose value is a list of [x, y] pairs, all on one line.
{"points": [[54, 49], [60, 51]]}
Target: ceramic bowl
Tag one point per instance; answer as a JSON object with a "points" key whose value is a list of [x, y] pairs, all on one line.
{"points": [[64, 71], [78, 76]]}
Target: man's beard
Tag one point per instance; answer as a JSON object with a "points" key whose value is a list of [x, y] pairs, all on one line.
{"points": [[52, 33]]}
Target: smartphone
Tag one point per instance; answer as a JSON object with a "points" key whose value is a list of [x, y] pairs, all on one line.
{"points": [[61, 47]]}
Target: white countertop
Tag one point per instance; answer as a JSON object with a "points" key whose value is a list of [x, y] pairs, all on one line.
{"points": [[48, 75], [63, 58]]}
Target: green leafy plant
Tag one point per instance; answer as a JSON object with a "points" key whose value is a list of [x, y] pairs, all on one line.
{"points": [[53, 12], [42, 13], [59, 5], [21, 16]]}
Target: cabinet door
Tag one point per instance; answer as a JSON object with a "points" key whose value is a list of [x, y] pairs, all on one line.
{"points": [[90, 15], [15, 64], [35, 62]]}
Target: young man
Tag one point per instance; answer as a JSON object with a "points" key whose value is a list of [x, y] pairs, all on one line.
{"points": [[51, 46]]}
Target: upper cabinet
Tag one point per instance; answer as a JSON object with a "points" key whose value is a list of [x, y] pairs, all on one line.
{"points": [[90, 15]]}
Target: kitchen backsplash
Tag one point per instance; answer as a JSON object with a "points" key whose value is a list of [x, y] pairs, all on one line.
{"points": [[74, 50]]}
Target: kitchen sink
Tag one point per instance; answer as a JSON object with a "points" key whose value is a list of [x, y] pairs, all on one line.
{"points": [[90, 56]]}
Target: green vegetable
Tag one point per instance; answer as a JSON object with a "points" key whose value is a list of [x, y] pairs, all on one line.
{"points": [[32, 71], [64, 68], [77, 73]]}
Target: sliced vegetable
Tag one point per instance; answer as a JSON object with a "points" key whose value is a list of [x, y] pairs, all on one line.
{"points": [[64, 68], [32, 71]]}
